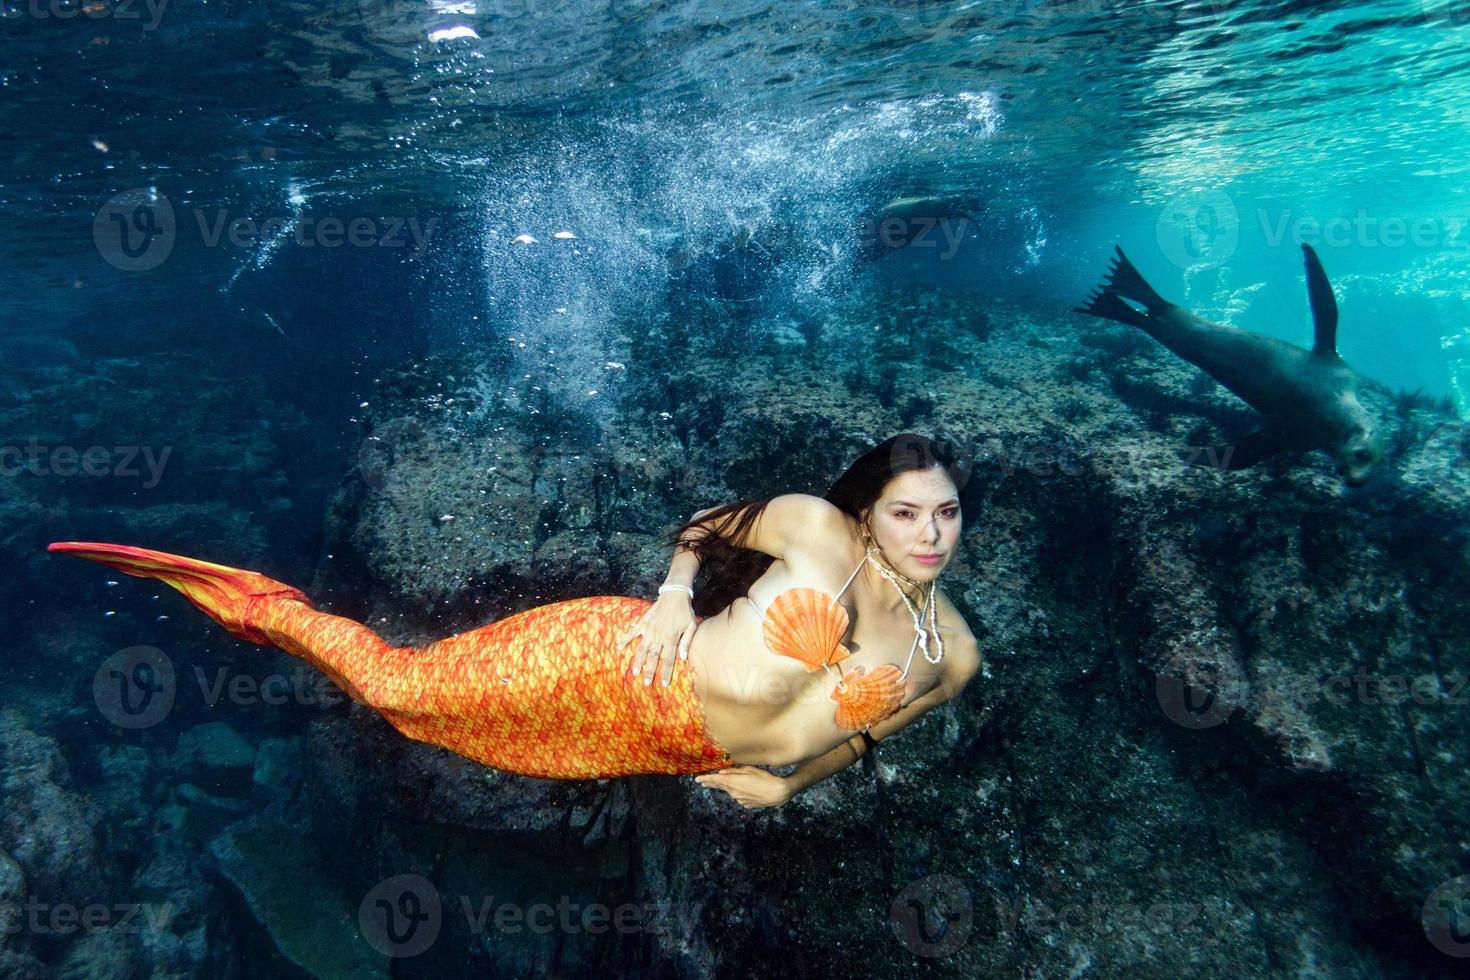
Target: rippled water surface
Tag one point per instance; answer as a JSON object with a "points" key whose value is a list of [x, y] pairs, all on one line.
{"points": [[1076, 124]]}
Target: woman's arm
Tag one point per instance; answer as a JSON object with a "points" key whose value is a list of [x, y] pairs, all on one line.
{"points": [[793, 520], [965, 664], [668, 626], [813, 771]]}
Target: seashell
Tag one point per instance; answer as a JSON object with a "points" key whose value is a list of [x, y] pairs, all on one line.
{"points": [[562, 236], [869, 698], [807, 624], [524, 240]]}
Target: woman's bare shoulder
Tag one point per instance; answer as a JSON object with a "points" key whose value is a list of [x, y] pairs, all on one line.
{"points": [[820, 532], [961, 649]]}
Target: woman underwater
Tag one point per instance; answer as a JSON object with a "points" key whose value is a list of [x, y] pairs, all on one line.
{"points": [[842, 641]]}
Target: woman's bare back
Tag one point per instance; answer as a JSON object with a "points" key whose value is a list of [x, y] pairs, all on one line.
{"points": [[767, 709]]}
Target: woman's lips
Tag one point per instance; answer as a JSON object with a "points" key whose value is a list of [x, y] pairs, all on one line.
{"points": [[929, 559]]}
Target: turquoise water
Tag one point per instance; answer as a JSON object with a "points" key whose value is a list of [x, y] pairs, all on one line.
{"points": [[1205, 137], [262, 253]]}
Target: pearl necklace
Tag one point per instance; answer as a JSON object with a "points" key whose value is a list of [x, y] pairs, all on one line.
{"points": [[921, 631]]}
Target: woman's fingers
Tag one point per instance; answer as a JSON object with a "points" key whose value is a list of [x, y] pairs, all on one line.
{"points": [[728, 781], [652, 660], [650, 654]]}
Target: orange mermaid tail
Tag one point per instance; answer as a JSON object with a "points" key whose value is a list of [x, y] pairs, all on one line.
{"points": [[545, 692]]}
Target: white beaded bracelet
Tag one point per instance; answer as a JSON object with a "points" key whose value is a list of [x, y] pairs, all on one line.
{"points": [[677, 588]]}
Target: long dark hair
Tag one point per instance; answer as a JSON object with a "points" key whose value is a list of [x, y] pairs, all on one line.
{"points": [[727, 568]]}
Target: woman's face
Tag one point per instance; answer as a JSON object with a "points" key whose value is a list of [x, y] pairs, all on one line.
{"points": [[918, 516]]}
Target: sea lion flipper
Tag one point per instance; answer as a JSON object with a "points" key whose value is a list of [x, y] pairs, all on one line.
{"points": [[1126, 281], [1123, 282], [1324, 305], [1109, 306]]}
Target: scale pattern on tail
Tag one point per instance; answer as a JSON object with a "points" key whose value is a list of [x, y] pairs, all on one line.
{"points": [[545, 692]]}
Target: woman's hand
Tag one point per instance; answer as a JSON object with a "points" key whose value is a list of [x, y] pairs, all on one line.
{"points": [[751, 787], [667, 628]]}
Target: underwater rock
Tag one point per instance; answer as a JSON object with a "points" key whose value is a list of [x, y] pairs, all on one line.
{"points": [[102, 954], [44, 825], [394, 552], [290, 889], [12, 895], [205, 814], [22, 966], [1159, 770], [274, 760], [215, 753]]}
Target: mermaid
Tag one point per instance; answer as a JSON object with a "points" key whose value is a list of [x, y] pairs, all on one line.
{"points": [[790, 669]]}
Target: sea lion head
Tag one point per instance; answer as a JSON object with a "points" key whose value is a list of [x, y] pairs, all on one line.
{"points": [[1360, 449]]}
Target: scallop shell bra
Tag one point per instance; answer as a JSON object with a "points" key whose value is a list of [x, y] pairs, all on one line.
{"points": [[808, 625]]}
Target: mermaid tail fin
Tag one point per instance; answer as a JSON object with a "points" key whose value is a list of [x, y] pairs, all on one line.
{"points": [[868, 698], [807, 625], [226, 595]]}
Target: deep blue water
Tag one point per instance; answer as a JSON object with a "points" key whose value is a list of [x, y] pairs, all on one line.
{"points": [[1208, 138]]}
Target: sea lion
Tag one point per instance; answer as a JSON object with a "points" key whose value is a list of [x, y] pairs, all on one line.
{"points": [[1308, 398], [930, 221]]}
